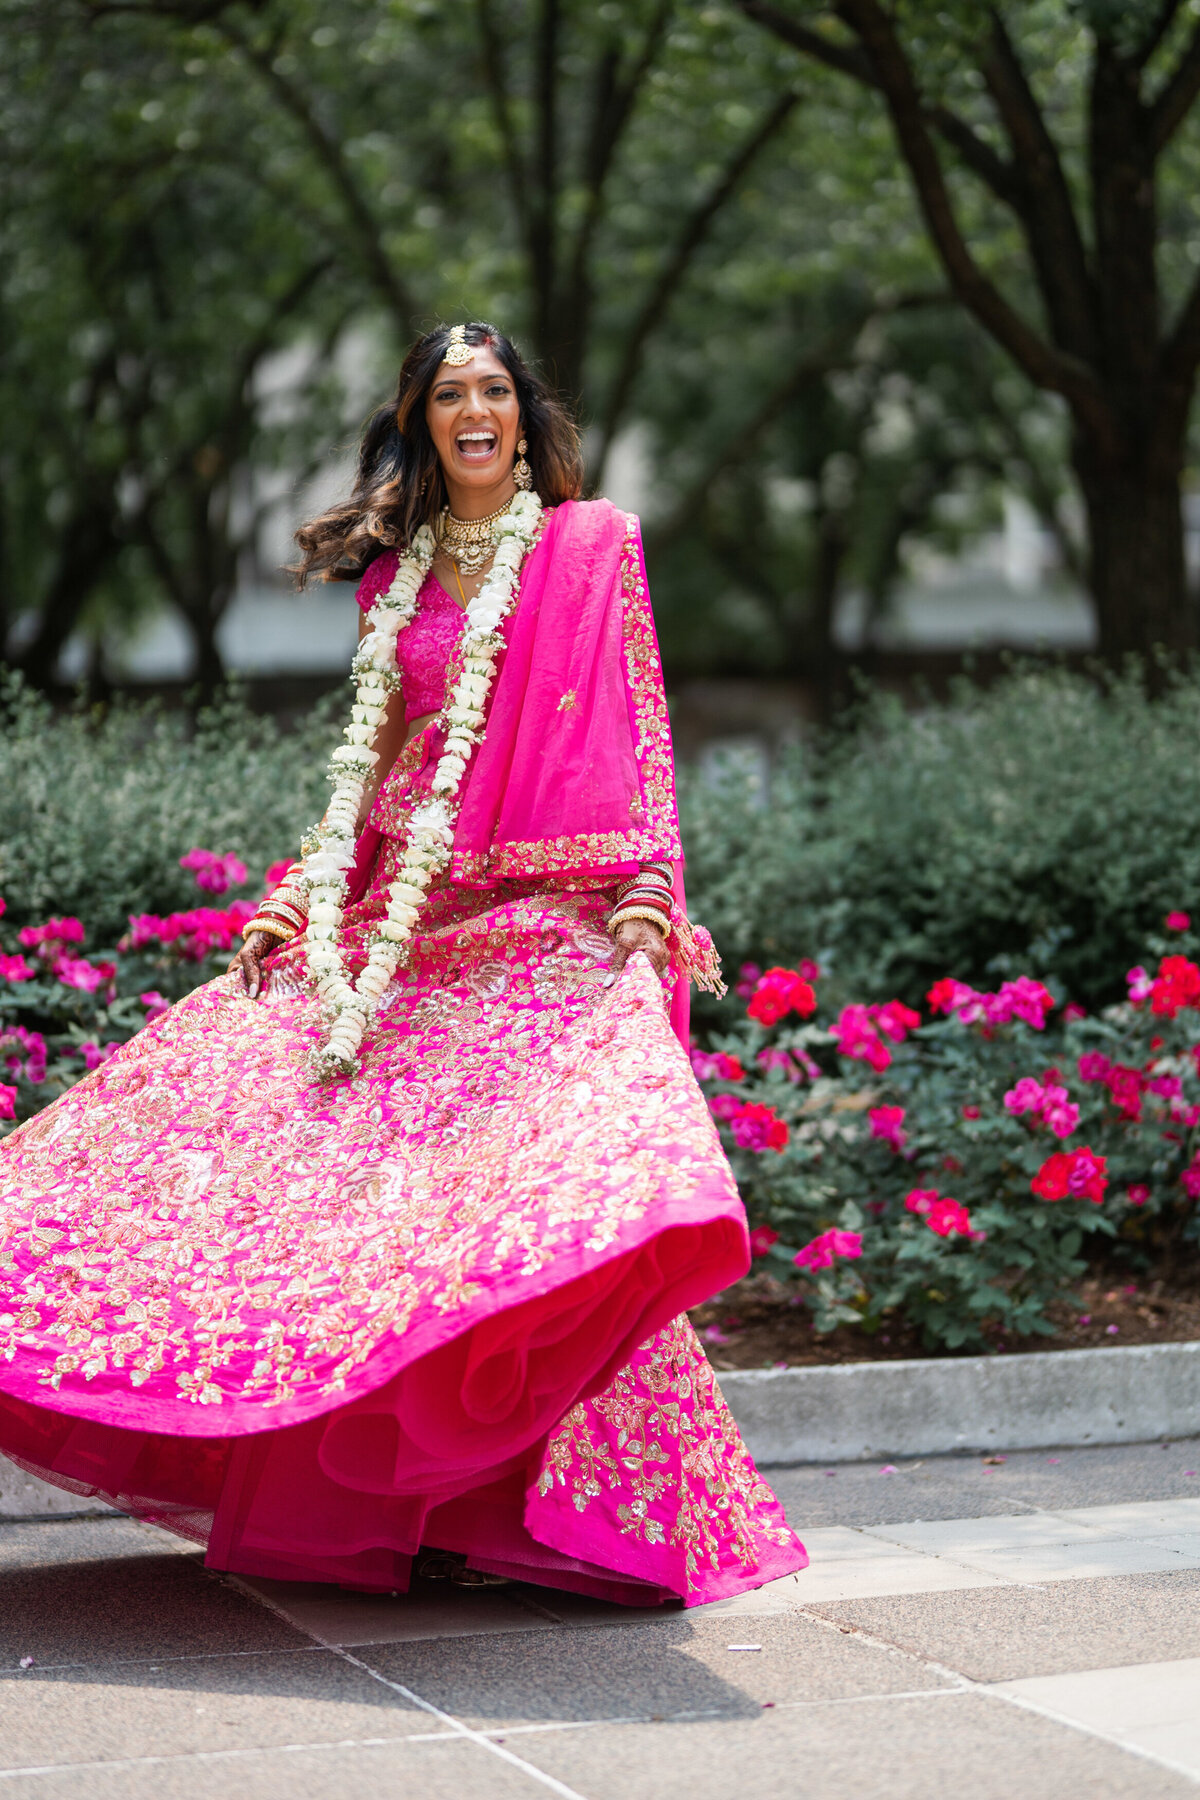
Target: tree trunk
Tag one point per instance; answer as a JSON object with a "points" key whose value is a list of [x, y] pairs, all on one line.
{"points": [[829, 553], [1138, 574]]}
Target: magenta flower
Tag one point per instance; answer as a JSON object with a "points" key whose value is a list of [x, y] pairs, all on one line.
{"points": [[78, 972], [48, 939], [758, 1128], [1177, 921], [1191, 1178], [794, 1064], [8, 1101], [715, 1066], [23, 1052], [154, 1003], [724, 1106], [15, 968], [94, 1054], [215, 874], [947, 1217], [1140, 985], [1048, 1102], [857, 1037], [887, 1122], [820, 1253], [1138, 1194], [1094, 1066]]}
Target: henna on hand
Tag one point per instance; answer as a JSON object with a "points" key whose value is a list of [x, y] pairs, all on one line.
{"points": [[634, 935]]}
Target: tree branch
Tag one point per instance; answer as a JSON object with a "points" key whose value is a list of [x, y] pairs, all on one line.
{"points": [[1156, 34], [615, 99], [1045, 365], [1055, 240], [543, 228], [364, 228], [496, 81], [1176, 97], [695, 230], [975, 151]]}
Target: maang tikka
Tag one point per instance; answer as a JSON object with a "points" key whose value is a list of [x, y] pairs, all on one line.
{"points": [[522, 473], [458, 351]]}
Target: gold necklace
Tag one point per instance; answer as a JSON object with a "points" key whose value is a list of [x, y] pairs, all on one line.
{"points": [[469, 544]]}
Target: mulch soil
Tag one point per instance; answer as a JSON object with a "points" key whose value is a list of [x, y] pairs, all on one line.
{"points": [[759, 1324]]}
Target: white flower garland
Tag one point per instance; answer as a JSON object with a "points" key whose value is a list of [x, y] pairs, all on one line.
{"points": [[329, 850]]}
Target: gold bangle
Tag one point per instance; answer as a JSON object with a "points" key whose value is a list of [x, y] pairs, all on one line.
{"points": [[270, 928], [624, 914]]}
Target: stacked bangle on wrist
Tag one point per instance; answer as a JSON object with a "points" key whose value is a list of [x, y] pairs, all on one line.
{"points": [[646, 895], [651, 914], [272, 928]]}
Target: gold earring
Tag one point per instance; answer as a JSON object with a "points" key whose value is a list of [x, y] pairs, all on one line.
{"points": [[522, 473]]}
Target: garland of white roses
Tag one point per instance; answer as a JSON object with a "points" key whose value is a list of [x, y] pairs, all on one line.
{"points": [[329, 848]]}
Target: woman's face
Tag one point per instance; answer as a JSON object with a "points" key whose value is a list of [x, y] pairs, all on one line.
{"points": [[475, 421]]}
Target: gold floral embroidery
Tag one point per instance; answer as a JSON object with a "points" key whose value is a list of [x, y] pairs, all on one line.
{"points": [[660, 1448]]}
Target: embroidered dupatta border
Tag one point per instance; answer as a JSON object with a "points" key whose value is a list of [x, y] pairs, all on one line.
{"points": [[657, 838]]}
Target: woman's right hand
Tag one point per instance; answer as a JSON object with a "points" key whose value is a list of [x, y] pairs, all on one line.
{"points": [[249, 960]]}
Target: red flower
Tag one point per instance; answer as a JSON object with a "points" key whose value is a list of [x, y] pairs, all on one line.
{"points": [[1138, 1194], [895, 1020], [1074, 1174], [1176, 985], [761, 1240], [716, 1066], [781, 991], [970, 1112], [1126, 1086]]}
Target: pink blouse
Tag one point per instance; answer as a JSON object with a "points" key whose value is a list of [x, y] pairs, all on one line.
{"points": [[425, 645]]}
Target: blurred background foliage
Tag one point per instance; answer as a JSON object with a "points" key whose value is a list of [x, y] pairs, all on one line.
{"points": [[841, 275]]}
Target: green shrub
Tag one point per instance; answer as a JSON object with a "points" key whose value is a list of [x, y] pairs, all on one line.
{"points": [[1040, 827], [97, 809]]}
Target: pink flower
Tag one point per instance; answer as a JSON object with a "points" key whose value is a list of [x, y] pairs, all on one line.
{"points": [[819, 1254], [749, 976], [1168, 1087], [887, 1122], [1023, 998], [154, 1003], [1138, 1194], [920, 1200], [275, 875], [1191, 1179], [3, 907], [15, 968], [8, 1101], [78, 972], [715, 1066], [796, 1064], [94, 1054], [1073, 1011], [970, 1111], [1177, 921], [857, 1037], [1049, 1103], [761, 1240], [758, 1128], [215, 873], [49, 938], [23, 1052], [1140, 985], [1094, 1066], [190, 935], [895, 1020], [946, 1217], [724, 1106], [781, 991]]}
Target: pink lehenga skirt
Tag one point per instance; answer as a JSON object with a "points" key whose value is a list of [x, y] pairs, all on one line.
{"points": [[318, 1326]]}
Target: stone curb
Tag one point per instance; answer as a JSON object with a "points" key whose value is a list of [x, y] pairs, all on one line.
{"points": [[852, 1412]]}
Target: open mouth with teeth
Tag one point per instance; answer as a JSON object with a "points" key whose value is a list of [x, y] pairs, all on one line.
{"points": [[476, 446]]}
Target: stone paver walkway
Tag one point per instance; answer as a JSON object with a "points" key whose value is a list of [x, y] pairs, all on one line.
{"points": [[1022, 1627]]}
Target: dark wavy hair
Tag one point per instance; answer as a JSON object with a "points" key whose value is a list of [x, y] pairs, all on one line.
{"points": [[399, 487]]}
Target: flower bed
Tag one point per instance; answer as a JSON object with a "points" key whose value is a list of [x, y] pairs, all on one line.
{"points": [[62, 1012], [950, 1176]]}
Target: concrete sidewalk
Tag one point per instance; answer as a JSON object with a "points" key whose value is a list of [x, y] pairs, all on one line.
{"points": [[1029, 1626]]}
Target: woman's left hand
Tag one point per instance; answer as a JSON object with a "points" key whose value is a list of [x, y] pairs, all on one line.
{"points": [[638, 934]]}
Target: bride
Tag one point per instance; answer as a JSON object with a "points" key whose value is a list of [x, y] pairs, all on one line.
{"points": [[380, 1244]]}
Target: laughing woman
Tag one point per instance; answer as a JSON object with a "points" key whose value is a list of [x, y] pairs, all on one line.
{"points": [[379, 1244]]}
